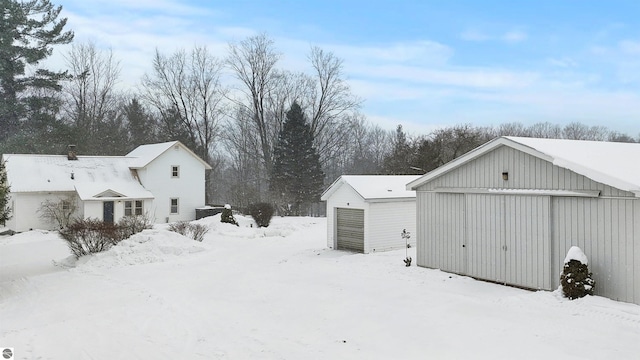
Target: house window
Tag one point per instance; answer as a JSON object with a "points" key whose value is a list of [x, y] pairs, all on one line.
{"points": [[174, 206], [66, 205], [133, 207], [175, 171], [138, 209]]}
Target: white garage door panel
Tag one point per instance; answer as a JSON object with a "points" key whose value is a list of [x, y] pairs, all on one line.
{"points": [[508, 239]]}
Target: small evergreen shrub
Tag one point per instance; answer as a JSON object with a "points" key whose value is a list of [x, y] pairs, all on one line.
{"points": [[227, 216], [576, 280], [193, 231], [261, 213]]}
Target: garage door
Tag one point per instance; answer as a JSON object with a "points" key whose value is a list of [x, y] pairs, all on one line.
{"points": [[350, 229], [508, 239]]}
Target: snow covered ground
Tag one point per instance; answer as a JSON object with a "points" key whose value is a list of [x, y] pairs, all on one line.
{"points": [[279, 293]]}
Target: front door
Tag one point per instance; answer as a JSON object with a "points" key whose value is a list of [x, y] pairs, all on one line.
{"points": [[107, 211]]}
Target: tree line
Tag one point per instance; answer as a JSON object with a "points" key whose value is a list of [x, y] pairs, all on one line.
{"points": [[229, 108]]}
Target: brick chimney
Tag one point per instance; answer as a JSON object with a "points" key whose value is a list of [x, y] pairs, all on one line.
{"points": [[72, 153]]}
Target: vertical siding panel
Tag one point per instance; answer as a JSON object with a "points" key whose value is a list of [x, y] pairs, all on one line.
{"points": [[628, 251], [636, 252]]}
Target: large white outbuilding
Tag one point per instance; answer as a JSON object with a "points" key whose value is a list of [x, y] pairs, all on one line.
{"points": [[510, 210], [367, 213]]}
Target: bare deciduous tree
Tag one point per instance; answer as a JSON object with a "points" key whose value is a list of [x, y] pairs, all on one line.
{"points": [[253, 62], [332, 103], [186, 87], [92, 90]]}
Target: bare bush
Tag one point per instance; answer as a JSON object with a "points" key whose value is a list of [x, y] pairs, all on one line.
{"points": [[193, 231], [134, 224], [58, 212], [89, 236]]}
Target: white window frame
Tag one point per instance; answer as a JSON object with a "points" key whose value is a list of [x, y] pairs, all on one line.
{"points": [[171, 206], [133, 207], [175, 171]]}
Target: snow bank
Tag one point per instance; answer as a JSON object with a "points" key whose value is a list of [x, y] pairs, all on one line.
{"points": [[575, 253], [148, 246]]}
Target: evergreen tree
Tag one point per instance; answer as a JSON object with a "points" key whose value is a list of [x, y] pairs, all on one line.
{"points": [[297, 176], [142, 129], [5, 210], [399, 161], [27, 32]]}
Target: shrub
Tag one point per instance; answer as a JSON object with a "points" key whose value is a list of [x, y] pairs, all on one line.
{"points": [[261, 213], [134, 224], [227, 216], [88, 236], [193, 231], [576, 279]]}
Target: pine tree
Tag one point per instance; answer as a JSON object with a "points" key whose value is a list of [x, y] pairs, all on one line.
{"points": [[27, 32], [141, 125], [399, 161], [5, 210], [297, 177]]}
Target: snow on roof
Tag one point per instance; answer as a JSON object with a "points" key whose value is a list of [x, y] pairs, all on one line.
{"points": [[144, 154], [612, 163], [375, 186], [89, 175]]}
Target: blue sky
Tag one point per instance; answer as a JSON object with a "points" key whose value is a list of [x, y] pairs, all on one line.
{"points": [[423, 64]]}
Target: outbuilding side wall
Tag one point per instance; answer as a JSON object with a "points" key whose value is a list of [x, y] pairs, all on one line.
{"points": [[386, 220]]}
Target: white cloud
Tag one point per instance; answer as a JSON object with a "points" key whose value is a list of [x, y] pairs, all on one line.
{"points": [[630, 47], [514, 36], [474, 35]]}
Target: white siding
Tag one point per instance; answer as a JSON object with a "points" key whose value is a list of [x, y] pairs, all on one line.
{"points": [[441, 231], [608, 231], [386, 220], [26, 206], [525, 172], [508, 239], [189, 187], [606, 228]]}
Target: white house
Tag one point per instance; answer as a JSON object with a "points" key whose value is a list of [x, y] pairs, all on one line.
{"points": [[510, 210], [367, 213], [165, 181]]}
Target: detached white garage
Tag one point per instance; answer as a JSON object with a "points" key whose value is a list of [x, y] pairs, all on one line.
{"points": [[510, 210], [367, 213]]}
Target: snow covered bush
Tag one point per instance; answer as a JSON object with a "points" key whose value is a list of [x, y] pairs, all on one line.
{"points": [[193, 231], [227, 216], [261, 213], [576, 279]]}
